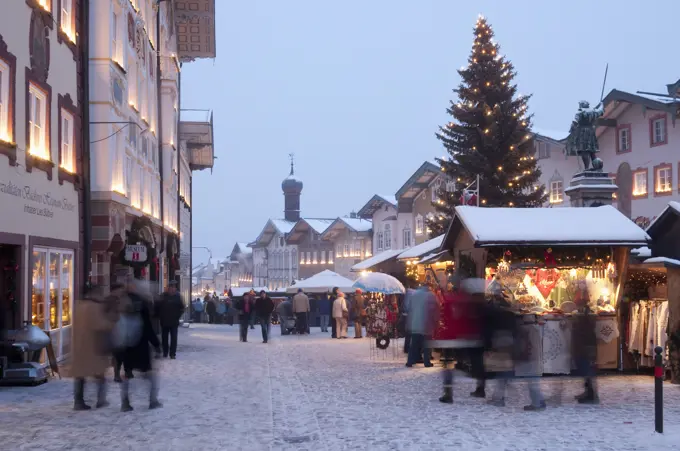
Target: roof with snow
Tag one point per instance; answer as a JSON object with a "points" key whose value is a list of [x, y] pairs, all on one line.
{"points": [[374, 204], [376, 260], [304, 225], [568, 226], [665, 261], [550, 134], [240, 251], [672, 211], [419, 181], [272, 227], [422, 249], [355, 225], [322, 282]]}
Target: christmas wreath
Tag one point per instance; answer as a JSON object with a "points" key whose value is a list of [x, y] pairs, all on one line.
{"points": [[382, 342]]}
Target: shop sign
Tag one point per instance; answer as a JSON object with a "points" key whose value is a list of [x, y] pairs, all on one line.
{"points": [[37, 203], [135, 253]]}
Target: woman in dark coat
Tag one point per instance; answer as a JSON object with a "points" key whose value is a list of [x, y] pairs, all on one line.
{"points": [[138, 357], [334, 296]]}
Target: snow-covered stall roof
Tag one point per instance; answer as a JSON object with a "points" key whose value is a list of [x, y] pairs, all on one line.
{"points": [[672, 207], [642, 252], [321, 283], [422, 249], [664, 260], [553, 226], [376, 260]]}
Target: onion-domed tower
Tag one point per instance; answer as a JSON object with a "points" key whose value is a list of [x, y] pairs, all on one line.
{"points": [[292, 188]]}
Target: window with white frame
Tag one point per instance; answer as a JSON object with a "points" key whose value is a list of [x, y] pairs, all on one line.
{"points": [[420, 225], [323, 257], [659, 130], [664, 183], [543, 149], [5, 120], [68, 161], [388, 237], [407, 237], [141, 94], [330, 257], [132, 82], [556, 192], [116, 41], [144, 148], [624, 139], [436, 186], [640, 183], [345, 250], [132, 134], [152, 195], [66, 16], [450, 186], [339, 251], [380, 241], [315, 256], [357, 249], [142, 188], [37, 122]]}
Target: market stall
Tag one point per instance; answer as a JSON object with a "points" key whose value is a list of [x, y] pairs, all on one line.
{"points": [[543, 263]]}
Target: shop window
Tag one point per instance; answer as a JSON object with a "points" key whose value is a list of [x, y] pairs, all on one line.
{"points": [[657, 131], [556, 192], [37, 123], [6, 106], [407, 238], [623, 138], [420, 225], [663, 179], [52, 295], [640, 183], [388, 237], [67, 158]]}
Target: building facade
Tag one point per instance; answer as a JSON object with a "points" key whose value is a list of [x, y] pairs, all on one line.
{"points": [[640, 145], [351, 239], [135, 60], [41, 165], [315, 254], [382, 212]]}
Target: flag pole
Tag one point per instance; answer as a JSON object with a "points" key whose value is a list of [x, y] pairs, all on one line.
{"points": [[478, 193]]}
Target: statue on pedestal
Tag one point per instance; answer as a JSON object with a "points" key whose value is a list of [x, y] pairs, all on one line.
{"points": [[582, 140]]}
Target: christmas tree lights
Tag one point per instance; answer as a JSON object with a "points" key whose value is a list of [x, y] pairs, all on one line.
{"points": [[489, 136]]}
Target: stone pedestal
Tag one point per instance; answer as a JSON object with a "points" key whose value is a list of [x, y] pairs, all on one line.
{"points": [[591, 189]]}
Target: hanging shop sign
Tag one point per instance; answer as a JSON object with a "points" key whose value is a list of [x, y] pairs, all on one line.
{"points": [[135, 253]]}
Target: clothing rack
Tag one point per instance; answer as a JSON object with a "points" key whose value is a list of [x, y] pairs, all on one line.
{"points": [[647, 328]]}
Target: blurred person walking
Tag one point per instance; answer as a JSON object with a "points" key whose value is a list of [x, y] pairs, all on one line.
{"points": [[340, 314], [421, 321], [334, 325], [584, 352], [264, 306], [92, 343], [169, 310], [301, 310], [135, 334], [245, 307], [324, 311], [359, 310]]}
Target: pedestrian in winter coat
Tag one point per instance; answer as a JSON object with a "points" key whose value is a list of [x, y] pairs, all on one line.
{"points": [[169, 311], [421, 319], [324, 311], [245, 307], [584, 352], [264, 306], [211, 308], [138, 356], [97, 317], [359, 309], [301, 310], [334, 326], [340, 314]]}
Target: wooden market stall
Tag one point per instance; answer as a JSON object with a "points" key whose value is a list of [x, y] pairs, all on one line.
{"points": [[542, 263]]}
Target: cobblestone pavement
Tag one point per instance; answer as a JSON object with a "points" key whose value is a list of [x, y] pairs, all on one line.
{"points": [[299, 393]]}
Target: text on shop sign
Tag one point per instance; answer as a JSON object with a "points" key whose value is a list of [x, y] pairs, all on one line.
{"points": [[135, 253]]}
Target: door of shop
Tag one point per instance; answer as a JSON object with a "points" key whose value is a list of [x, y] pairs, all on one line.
{"points": [[52, 296]]}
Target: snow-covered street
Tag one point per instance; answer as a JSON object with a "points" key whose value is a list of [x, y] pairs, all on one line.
{"points": [[316, 393]]}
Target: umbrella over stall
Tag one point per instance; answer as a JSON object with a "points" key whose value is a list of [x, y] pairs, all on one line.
{"points": [[377, 282]]}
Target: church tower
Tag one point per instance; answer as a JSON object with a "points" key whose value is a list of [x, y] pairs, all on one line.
{"points": [[292, 188]]}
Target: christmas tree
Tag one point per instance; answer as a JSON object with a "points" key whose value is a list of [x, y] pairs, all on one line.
{"points": [[489, 141]]}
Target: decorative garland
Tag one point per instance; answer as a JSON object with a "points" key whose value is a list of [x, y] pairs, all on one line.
{"points": [[574, 256]]}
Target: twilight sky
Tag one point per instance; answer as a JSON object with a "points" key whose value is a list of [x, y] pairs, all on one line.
{"points": [[356, 89]]}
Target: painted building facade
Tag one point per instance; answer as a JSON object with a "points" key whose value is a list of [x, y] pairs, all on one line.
{"points": [[41, 165], [315, 255], [351, 237]]}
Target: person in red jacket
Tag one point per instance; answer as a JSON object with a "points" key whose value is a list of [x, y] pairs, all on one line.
{"points": [[458, 328]]}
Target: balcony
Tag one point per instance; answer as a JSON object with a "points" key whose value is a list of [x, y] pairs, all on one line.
{"points": [[195, 24], [196, 132]]}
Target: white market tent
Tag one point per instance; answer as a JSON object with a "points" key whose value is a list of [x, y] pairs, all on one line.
{"points": [[568, 226], [376, 259], [321, 283], [422, 249]]}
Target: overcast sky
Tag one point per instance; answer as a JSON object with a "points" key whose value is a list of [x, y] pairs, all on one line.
{"points": [[356, 89]]}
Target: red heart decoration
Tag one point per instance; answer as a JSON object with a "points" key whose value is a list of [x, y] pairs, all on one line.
{"points": [[545, 280]]}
